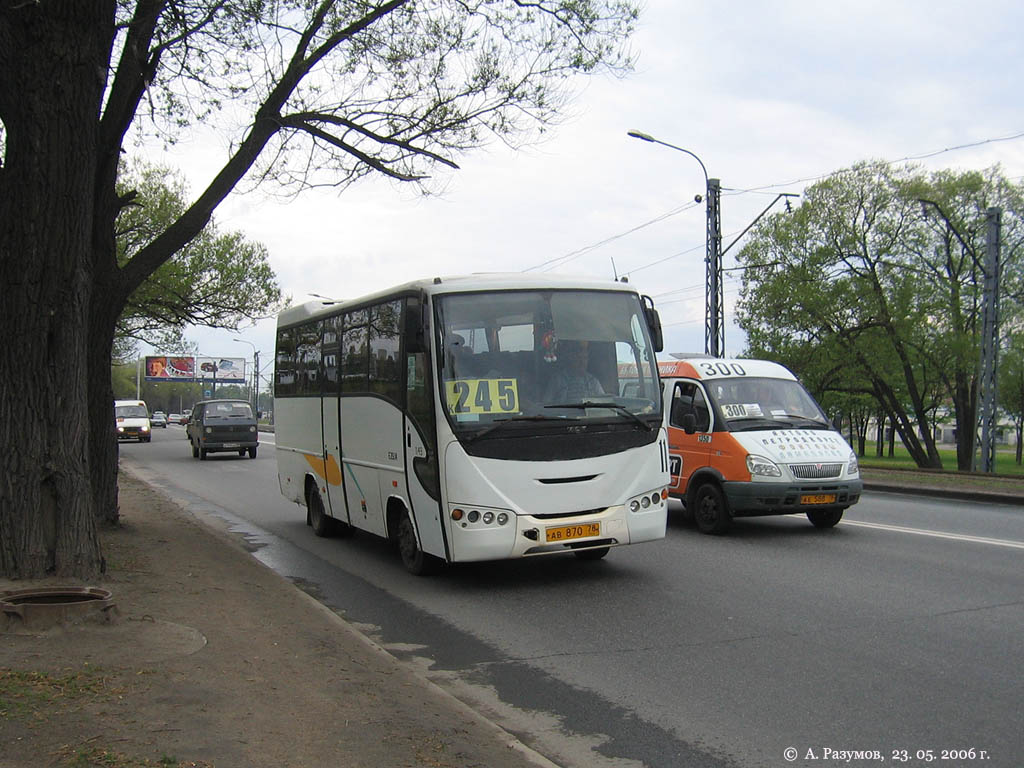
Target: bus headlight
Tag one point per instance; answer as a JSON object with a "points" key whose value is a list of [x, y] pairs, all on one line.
{"points": [[648, 500], [759, 466]]}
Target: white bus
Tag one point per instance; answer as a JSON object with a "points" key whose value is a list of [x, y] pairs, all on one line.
{"points": [[475, 418]]}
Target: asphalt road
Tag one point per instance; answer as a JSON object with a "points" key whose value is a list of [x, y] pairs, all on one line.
{"points": [[899, 632]]}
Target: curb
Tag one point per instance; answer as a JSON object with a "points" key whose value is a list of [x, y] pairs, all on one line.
{"points": [[992, 497]]}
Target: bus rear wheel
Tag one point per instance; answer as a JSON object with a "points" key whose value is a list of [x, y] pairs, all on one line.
{"points": [[710, 510], [825, 518], [415, 560]]}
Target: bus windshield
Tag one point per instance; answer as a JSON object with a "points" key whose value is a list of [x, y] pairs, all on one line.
{"points": [[757, 403], [531, 358]]}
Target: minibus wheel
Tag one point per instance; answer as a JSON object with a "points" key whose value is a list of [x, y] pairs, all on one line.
{"points": [[710, 510], [825, 518]]}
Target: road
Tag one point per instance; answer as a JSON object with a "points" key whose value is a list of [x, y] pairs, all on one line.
{"points": [[898, 632]]}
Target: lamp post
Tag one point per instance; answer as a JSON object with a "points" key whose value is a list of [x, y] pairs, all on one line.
{"points": [[714, 321], [255, 374]]}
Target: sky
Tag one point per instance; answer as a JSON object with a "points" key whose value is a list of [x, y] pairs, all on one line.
{"points": [[770, 96]]}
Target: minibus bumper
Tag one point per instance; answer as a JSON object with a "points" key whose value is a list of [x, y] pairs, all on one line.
{"points": [[762, 498]]}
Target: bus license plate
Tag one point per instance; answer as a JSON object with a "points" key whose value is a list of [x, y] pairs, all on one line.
{"points": [[818, 498], [568, 532]]}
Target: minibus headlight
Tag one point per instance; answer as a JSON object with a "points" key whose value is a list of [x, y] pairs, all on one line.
{"points": [[853, 467], [252, 429], [208, 430], [145, 427], [759, 466]]}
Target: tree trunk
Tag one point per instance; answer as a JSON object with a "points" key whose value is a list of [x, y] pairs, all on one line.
{"points": [[52, 56], [966, 421]]}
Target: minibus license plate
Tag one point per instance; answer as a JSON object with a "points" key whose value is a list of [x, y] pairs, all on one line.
{"points": [[567, 532], [818, 498]]}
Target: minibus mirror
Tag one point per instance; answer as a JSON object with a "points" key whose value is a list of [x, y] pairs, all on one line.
{"points": [[689, 423]]}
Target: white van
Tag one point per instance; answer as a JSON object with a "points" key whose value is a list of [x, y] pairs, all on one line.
{"points": [[746, 439], [132, 420]]}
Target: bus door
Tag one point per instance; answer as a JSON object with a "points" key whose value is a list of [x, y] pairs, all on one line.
{"points": [[421, 462], [687, 453], [330, 418]]}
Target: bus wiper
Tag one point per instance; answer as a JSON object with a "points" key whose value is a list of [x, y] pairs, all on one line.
{"points": [[497, 424], [612, 406]]}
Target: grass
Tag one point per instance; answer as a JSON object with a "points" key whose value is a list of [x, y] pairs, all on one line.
{"points": [[1006, 462], [40, 697], [97, 757], [37, 694]]}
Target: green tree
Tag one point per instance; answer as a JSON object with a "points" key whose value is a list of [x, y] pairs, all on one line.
{"points": [[861, 273], [307, 93], [1011, 387], [217, 280]]}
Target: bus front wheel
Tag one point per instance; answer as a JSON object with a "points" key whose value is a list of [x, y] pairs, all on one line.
{"points": [[415, 560], [710, 510], [318, 519]]}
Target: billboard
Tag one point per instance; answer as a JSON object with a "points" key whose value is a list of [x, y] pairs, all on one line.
{"points": [[226, 370]]}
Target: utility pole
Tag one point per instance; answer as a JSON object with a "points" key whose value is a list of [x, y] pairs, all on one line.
{"points": [[714, 310], [256, 381], [987, 384]]}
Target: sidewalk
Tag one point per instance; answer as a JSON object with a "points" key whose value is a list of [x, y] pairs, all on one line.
{"points": [[215, 660]]}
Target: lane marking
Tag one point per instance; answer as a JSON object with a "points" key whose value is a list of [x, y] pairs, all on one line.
{"points": [[939, 534]]}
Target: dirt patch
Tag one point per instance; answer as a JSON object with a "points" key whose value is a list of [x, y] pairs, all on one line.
{"points": [[214, 660]]}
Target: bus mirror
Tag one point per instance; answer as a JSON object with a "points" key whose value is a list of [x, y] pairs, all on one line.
{"points": [[414, 325], [654, 324]]}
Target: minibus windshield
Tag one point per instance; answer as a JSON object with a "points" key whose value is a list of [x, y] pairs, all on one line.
{"points": [[750, 403]]}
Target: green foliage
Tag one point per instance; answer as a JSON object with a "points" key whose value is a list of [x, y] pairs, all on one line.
{"points": [[864, 290], [217, 280]]}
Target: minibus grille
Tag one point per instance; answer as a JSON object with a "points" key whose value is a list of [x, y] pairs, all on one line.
{"points": [[816, 471]]}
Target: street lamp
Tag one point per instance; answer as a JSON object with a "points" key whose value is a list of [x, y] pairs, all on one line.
{"points": [[255, 374], [714, 321]]}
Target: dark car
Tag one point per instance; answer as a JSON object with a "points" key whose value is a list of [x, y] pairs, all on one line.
{"points": [[221, 426]]}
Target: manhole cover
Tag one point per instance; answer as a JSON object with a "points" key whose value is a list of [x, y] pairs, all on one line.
{"points": [[43, 607]]}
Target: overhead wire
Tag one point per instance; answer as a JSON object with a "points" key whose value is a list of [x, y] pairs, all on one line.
{"points": [[732, 192]]}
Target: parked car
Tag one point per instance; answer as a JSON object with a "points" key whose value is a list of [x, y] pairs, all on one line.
{"points": [[221, 426], [158, 419], [174, 418]]}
